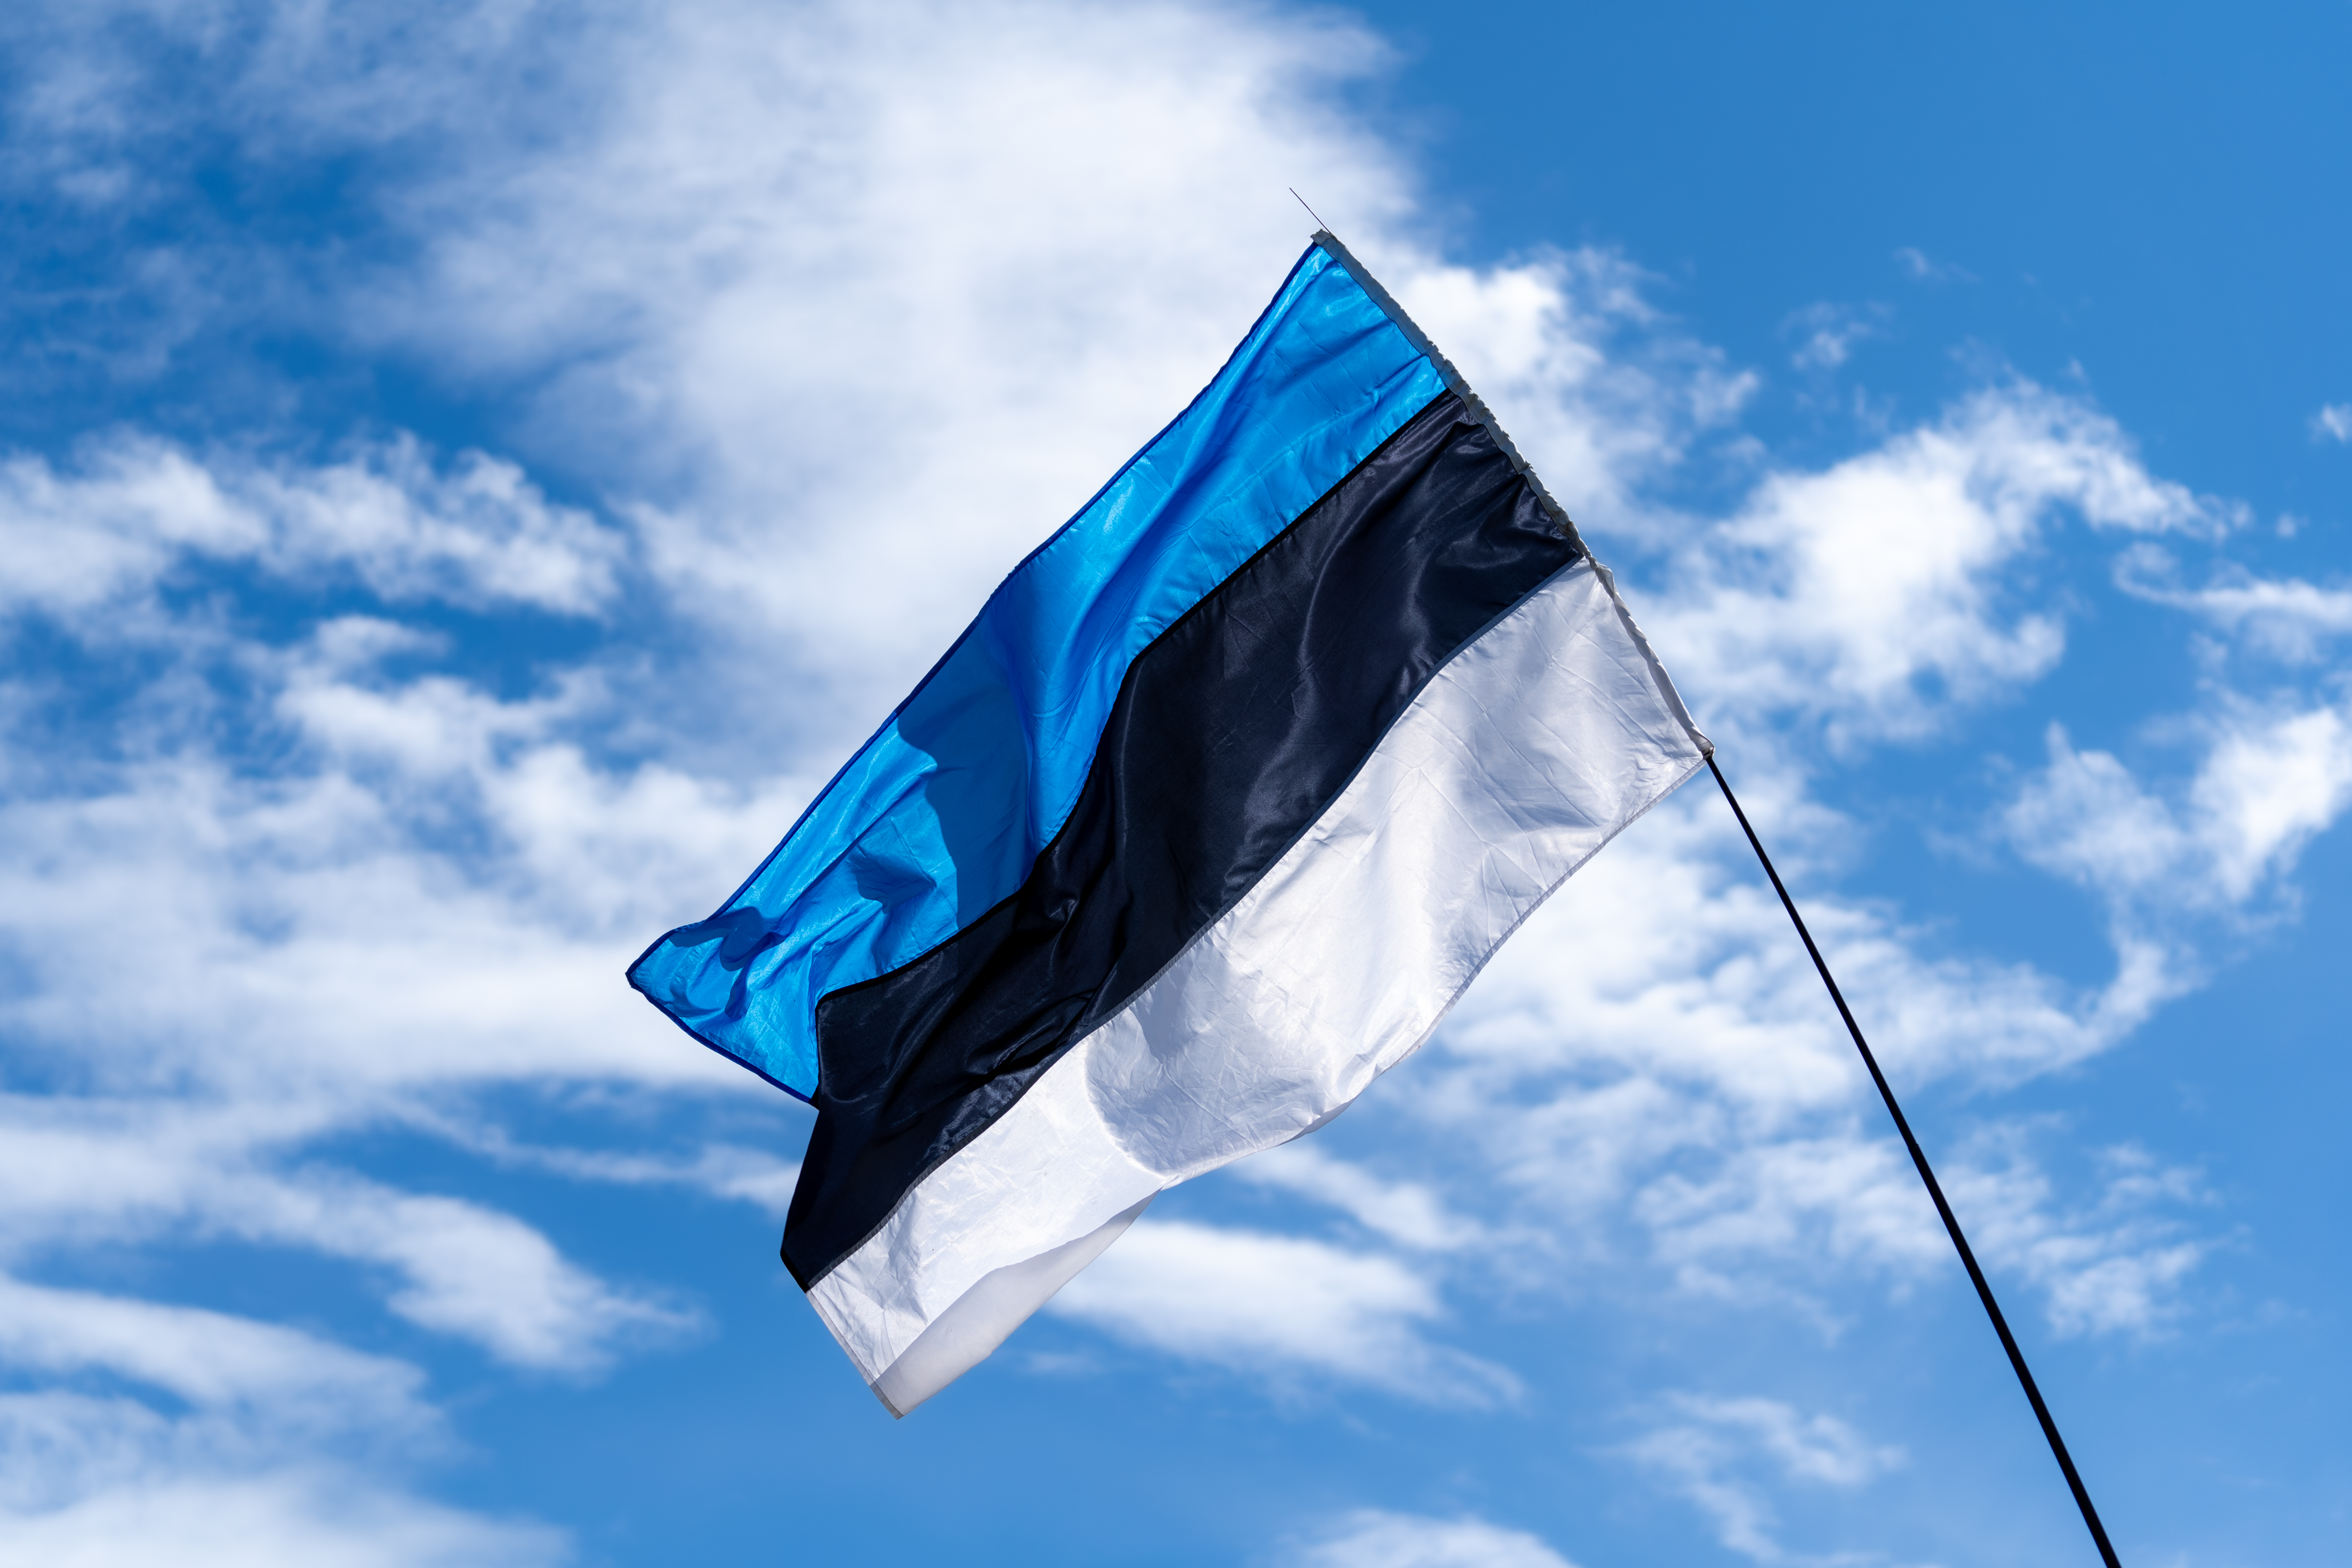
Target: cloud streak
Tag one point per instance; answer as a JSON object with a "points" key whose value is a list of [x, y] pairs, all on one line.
{"points": [[1376, 1539], [103, 535], [1277, 1306], [1711, 1450]]}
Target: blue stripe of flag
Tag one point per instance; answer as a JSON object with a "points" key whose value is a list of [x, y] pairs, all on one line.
{"points": [[943, 812]]}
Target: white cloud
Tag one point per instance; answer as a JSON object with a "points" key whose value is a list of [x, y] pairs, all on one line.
{"points": [[1855, 1200], [2268, 786], [1809, 1448], [878, 294], [1651, 1071], [77, 1175], [723, 1170], [211, 1360], [1600, 390], [1276, 1305], [248, 1472], [1875, 593], [447, 893], [1921, 268], [1406, 1213], [2333, 423], [93, 1482], [2115, 1265], [1711, 1449], [873, 296], [1759, 1222], [464, 1271], [1687, 974], [2288, 618], [109, 531], [1372, 1538], [1830, 332], [2269, 780]]}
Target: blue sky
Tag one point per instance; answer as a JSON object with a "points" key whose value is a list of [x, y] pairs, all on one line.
{"points": [[470, 472]]}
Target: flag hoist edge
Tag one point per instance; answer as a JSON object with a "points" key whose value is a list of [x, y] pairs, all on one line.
{"points": [[1204, 823]]}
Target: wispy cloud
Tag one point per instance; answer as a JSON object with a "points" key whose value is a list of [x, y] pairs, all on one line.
{"points": [[276, 1452], [107, 1481], [1873, 597], [723, 1170], [1375, 1539], [108, 531], [2270, 778], [1602, 391], [1827, 333], [1407, 1213], [2289, 618], [456, 1266], [2113, 1263], [2333, 423], [1280, 1306], [1724, 1454], [1921, 268], [213, 1361]]}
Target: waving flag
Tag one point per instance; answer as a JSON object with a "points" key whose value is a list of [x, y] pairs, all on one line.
{"points": [[1228, 793]]}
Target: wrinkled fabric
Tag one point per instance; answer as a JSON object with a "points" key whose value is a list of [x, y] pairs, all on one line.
{"points": [[943, 812], [1231, 734], [1533, 747]]}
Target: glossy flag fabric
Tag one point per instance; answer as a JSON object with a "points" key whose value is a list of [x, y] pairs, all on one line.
{"points": [[1204, 823]]}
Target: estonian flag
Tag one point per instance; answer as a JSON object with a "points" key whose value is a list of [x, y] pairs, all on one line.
{"points": [[1231, 789]]}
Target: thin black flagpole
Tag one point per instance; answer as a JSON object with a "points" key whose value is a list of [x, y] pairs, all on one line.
{"points": [[1934, 1188]]}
